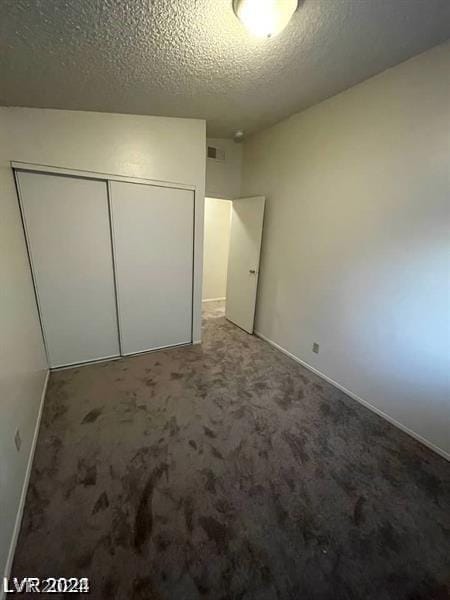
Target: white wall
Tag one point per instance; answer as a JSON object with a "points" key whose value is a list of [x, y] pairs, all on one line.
{"points": [[223, 178], [216, 248], [23, 365], [357, 238], [149, 147]]}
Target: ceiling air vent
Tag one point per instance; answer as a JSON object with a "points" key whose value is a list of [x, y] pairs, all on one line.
{"points": [[216, 153]]}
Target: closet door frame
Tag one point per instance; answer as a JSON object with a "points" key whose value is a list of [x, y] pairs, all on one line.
{"points": [[18, 166], [39, 287]]}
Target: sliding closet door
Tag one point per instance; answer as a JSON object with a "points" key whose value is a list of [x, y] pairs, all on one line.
{"points": [[69, 241], [153, 247]]}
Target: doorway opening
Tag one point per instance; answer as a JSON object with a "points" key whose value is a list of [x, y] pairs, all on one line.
{"points": [[215, 255], [233, 233]]}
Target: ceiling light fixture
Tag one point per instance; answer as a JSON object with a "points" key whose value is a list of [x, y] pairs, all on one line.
{"points": [[265, 18]]}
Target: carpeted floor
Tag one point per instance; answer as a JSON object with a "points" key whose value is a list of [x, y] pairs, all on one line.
{"points": [[228, 471]]}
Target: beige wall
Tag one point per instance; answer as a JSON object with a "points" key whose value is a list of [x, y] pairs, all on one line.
{"points": [[23, 365], [357, 238], [148, 147], [216, 247], [223, 178]]}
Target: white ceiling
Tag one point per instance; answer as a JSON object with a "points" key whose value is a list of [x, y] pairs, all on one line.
{"points": [[193, 58]]}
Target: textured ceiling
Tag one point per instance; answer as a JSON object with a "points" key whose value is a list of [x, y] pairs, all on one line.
{"points": [[192, 58]]}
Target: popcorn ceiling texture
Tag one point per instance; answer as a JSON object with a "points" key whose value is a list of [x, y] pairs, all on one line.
{"points": [[193, 58]]}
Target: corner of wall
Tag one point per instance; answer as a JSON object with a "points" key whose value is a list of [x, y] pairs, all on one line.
{"points": [[24, 489]]}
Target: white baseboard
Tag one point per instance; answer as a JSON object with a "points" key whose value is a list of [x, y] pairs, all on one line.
{"points": [[213, 299], [23, 495], [365, 403]]}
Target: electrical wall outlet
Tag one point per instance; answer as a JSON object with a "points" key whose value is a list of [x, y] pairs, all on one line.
{"points": [[17, 440], [316, 348]]}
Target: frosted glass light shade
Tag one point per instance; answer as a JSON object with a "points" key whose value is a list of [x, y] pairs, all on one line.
{"points": [[265, 18]]}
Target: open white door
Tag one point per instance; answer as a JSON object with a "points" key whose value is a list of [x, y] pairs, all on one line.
{"points": [[243, 263]]}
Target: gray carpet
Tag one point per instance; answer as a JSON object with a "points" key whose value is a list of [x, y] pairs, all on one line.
{"points": [[228, 471]]}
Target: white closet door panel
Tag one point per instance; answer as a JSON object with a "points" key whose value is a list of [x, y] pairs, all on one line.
{"points": [[69, 239], [153, 246]]}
